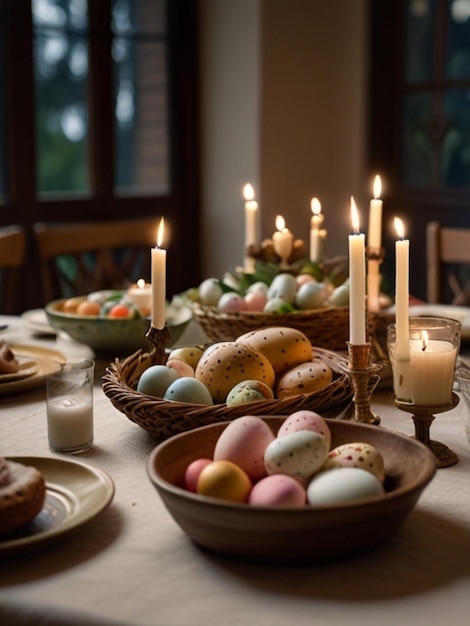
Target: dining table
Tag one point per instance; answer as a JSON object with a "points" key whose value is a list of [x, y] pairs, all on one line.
{"points": [[132, 565]]}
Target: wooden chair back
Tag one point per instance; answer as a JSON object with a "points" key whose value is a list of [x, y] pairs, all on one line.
{"points": [[12, 254], [448, 252], [80, 257]]}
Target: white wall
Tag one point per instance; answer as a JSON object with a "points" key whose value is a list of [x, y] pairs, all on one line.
{"points": [[284, 107]]}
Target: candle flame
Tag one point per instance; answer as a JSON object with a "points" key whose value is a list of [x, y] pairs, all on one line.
{"points": [[354, 216], [399, 228], [141, 283], [280, 222], [248, 192], [161, 230], [425, 340], [315, 206], [377, 187]]}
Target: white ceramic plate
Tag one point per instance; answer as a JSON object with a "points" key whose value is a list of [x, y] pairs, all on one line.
{"points": [[75, 493], [459, 313], [36, 320], [46, 360]]}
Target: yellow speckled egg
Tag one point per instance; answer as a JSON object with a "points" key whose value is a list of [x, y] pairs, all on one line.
{"points": [[283, 346], [225, 364], [224, 480]]}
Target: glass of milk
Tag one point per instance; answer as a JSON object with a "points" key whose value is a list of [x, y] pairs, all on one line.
{"points": [[70, 407]]}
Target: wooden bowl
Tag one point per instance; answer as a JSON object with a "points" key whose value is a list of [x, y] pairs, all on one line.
{"points": [[295, 534]]}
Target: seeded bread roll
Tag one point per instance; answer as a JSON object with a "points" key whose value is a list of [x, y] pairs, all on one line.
{"points": [[8, 362], [22, 494]]}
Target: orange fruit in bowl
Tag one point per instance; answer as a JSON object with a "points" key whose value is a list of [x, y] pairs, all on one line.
{"points": [[87, 307]]}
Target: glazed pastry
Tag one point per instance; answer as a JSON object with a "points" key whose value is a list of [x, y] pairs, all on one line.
{"points": [[8, 362], [22, 494]]}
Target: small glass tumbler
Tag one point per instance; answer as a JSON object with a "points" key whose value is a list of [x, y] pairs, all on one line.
{"points": [[70, 407], [423, 373]]}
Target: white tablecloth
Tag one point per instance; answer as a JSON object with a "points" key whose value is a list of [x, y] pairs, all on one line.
{"points": [[132, 565]]}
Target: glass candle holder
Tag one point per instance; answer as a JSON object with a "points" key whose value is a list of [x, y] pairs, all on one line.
{"points": [[423, 371]]}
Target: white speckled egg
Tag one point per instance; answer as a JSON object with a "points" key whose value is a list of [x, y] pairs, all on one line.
{"points": [[190, 390], [243, 442], [299, 454], [278, 490], [305, 420], [343, 486], [361, 455]]}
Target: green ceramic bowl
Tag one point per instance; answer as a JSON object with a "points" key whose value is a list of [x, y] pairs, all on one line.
{"points": [[115, 336]]}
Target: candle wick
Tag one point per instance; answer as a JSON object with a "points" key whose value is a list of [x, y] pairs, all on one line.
{"points": [[423, 349]]}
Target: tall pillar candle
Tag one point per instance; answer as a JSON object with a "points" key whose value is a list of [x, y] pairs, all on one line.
{"points": [[159, 282], [374, 234], [374, 244], [402, 246], [357, 282], [317, 234], [251, 216]]}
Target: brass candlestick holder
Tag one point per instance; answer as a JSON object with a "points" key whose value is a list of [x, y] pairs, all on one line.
{"points": [[423, 416], [365, 378], [160, 339]]}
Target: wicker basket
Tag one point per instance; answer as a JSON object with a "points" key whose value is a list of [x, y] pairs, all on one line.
{"points": [[165, 418], [326, 328]]}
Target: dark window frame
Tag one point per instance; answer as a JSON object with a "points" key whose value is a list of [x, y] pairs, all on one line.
{"points": [[180, 207], [416, 206]]}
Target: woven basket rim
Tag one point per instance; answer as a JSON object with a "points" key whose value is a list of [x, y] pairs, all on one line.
{"points": [[156, 414]]}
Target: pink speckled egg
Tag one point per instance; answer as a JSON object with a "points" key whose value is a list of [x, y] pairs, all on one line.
{"points": [[305, 420], [255, 300], [243, 442], [278, 490]]}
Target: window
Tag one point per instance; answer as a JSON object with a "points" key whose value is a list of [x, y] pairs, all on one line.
{"points": [[94, 94], [420, 119]]}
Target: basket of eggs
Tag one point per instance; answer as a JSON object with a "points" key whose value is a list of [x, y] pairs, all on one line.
{"points": [[307, 296], [269, 371]]}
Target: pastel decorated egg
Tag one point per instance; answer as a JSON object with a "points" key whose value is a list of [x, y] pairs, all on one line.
{"points": [[183, 369], [249, 391], [188, 389], [283, 286], [210, 292], [362, 455], [340, 296], [188, 354], [231, 302], [305, 420], [299, 454], [225, 480], [244, 442], [255, 301], [191, 475], [310, 295], [156, 379], [278, 490], [343, 486]]}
